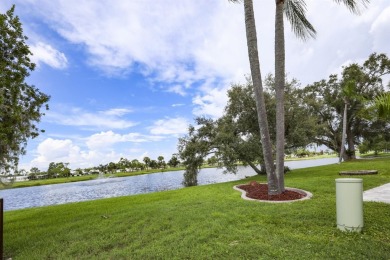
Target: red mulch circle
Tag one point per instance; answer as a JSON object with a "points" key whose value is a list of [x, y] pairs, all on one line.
{"points": [[259, 191]]}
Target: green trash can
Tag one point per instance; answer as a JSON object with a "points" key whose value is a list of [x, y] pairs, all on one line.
{"points": [[349, 204]]}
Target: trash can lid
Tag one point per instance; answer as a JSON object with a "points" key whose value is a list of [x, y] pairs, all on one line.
{"points": [[349, 180]]}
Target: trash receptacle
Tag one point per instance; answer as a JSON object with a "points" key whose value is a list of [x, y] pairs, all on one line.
{"points": [[349, 204]]}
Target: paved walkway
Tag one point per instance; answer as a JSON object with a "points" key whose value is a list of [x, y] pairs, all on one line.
{"points": [[379, 194]]}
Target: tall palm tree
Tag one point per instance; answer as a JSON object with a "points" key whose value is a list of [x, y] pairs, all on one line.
{"points": [[251, 35], [295, 13]]}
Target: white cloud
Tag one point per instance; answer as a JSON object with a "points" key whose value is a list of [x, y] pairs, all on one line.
{"points": [[178, 105], [178, 89], [180, 44], [174, 42], [116, 112], [100, 28], [380, 31], [54, 150], [109, 119], [212, 103], [170, 126], [99, 148], [105, 140], [45, 53]]}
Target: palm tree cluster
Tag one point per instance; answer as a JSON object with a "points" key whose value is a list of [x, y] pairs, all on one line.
{"points": [[295, 11]]}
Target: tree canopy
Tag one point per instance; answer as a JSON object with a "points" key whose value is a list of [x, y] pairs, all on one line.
{"points": [[20, 103], [234, 138], [358, 85]]}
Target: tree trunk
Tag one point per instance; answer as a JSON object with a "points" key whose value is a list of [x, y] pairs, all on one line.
{"points": [[254, 167], [279, 92], [351, 145], [343, 136], [253, 55]]}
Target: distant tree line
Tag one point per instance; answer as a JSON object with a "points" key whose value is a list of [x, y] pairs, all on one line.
{"points": [[61, 169]]}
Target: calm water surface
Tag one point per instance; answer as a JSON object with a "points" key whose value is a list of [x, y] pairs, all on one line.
{"points": [[113, 187]]}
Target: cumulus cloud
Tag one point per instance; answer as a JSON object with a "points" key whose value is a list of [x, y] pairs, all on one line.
{"points": [[170, 126], [380, 31], [105, 140], [55, 150], [45, 53], [99, 148], [178, 89], [174, 42], [181, 44], [108, 119], [211, 103]]}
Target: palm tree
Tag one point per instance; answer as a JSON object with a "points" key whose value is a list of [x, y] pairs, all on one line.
{"points": [[251, 37], [295, 13], [161, 161], [147, 162], [349, 94]]}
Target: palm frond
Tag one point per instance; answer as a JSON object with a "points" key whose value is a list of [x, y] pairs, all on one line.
{"points": [[354, 5], [295, 11], [382, 103]]}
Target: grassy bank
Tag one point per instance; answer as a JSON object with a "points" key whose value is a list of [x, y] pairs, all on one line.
{"points": [[311, 157], [373, 155], [85, 178], [206, 222]]}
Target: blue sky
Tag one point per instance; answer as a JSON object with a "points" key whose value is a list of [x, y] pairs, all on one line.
{"points": [[127, 77]]}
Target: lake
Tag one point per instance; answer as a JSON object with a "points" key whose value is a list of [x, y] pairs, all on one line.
{"points": [[39, 196]]}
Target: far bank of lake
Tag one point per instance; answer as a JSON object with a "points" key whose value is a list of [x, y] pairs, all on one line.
{"points": [[46, 195]]}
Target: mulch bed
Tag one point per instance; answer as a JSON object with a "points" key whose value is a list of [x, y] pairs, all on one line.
{"points": [[259, 191], [360, 172]]}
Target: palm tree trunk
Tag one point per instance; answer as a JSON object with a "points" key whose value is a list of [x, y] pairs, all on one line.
{"points": [[279, 91], [342, 149], [253, 55]]}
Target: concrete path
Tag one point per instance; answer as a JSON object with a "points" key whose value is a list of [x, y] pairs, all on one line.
{"points": [[378, 194]]}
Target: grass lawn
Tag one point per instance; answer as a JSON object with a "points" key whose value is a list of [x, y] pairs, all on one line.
{"points": [[206, 222], [373, 155]]}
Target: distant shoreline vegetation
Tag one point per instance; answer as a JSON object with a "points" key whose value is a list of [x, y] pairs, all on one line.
{"points": [[96, 175]]}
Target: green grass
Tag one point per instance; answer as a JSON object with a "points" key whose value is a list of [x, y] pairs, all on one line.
{"points": [[206, 222], [312, 157], [24, 184], [126, 174], [373, 155]]}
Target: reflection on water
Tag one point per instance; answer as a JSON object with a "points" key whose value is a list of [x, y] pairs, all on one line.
{"points": [[113, 187]]}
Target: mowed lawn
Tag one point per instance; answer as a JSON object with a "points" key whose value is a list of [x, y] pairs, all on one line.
{"points": [[206, 222]]}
